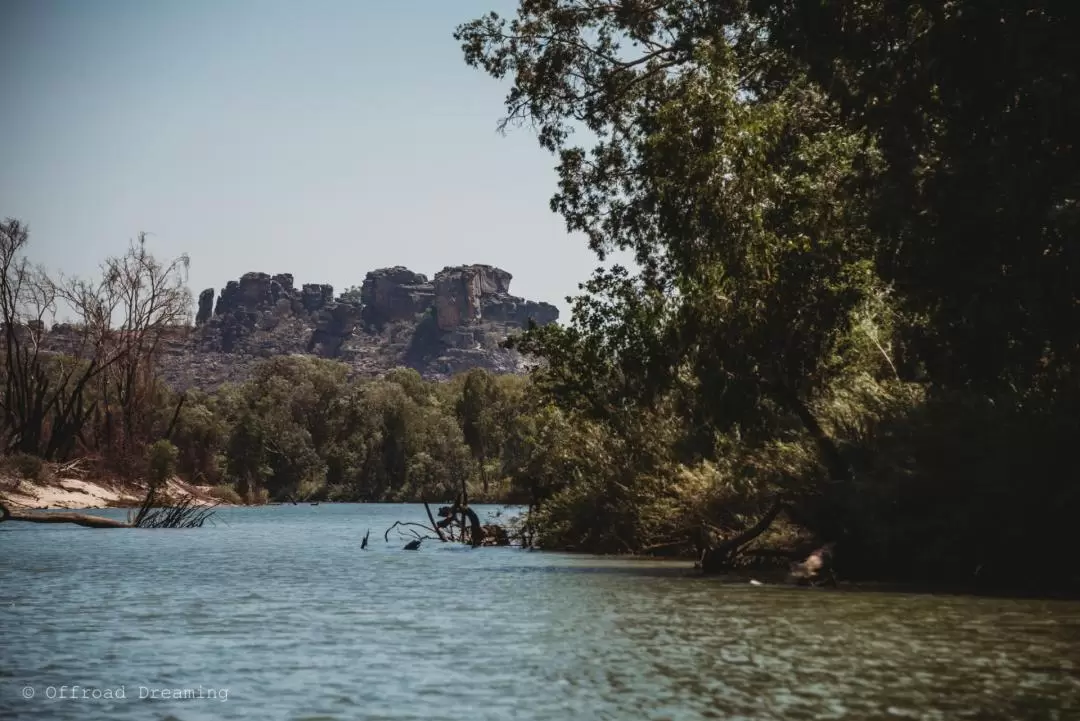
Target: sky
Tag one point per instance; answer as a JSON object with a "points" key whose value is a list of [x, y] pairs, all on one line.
{"points": [[323, 138]]}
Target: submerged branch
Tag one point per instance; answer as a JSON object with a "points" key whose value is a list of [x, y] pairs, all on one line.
{"points": [[433, 523], [386, 535]]}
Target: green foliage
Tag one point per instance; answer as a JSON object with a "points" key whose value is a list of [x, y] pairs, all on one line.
{"points": [[200, 433], [856, 243], [161, 459], [226, 494], [300, 429]]}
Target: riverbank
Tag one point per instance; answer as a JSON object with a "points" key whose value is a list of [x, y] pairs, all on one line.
{"points": [[85, 494]]}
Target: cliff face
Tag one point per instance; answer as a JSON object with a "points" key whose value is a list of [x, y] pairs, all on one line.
{"points": [[442, 326]]}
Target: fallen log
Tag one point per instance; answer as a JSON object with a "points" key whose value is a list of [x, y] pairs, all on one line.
{"points": [[185, 513], [79, 519]]}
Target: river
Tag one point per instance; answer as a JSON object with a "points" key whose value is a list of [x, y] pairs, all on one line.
{"points": [[276, 613]]}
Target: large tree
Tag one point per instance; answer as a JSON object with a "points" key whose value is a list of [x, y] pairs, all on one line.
{"points": [[957, 127], [738, 196]]}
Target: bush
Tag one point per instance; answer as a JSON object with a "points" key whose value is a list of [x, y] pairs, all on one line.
{"points": [[161, 461], [258, 497], [226, 494], [26, 466]]}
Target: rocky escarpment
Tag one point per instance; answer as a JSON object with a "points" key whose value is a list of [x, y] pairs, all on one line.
{"points": [[397, 317]]}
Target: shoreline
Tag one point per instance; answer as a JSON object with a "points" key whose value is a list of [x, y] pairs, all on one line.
{"points": [[77, 494]]}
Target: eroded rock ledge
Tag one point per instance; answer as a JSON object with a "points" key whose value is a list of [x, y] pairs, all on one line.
{"points": [[396, 317]]}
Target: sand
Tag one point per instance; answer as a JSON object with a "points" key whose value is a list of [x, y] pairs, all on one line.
{"points": [[73, 493]]}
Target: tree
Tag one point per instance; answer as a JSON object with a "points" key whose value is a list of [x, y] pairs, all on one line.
{"points": [[130, 309], [974, 105], [966, 113], [477, 414], [726, 188]]}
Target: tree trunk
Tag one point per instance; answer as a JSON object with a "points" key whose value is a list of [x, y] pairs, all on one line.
{"points": [[718, 558], [79, 519]]}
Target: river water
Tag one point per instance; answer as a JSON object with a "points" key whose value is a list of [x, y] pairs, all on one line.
{"points": [[276, 613]]}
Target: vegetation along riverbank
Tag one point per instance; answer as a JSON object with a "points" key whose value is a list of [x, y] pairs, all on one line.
{"points": [[851, 324]]}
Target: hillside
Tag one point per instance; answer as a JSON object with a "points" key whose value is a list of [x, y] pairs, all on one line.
{"points": [[397, 317]]}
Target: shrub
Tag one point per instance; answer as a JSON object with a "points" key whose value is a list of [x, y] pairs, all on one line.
{"points": [[25, 466], [226, 494], [161, 461]]}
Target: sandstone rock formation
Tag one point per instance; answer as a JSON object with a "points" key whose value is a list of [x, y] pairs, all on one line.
{"points": [[397, 293], [440, 327]]}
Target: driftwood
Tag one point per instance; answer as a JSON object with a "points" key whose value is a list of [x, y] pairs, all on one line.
{"points": [[79, 519], [404, 524], [450, 514], [472, 531], [185, 513], [434, 525]]}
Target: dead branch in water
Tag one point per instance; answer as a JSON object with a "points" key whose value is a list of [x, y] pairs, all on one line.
{"points": [[433, 523], [386, 536], [473, 530]]}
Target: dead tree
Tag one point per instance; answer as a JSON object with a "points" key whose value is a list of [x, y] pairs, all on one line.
{"points": [[43, 405], [460, 513], [472, 531], [132, 307], [44, 402]]}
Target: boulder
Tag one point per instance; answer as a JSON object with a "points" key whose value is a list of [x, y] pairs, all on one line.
{"points": [[334, 324], [285, 281]]}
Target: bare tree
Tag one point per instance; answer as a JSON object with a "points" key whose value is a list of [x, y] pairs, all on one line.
{"points": [[120, 322], [42, 401], [131, 308]]}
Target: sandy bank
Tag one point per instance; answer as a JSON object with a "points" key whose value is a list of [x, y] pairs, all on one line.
{"points": [[74, 493]]}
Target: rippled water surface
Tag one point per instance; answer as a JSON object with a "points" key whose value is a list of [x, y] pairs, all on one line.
{"points": [[278, 611]]}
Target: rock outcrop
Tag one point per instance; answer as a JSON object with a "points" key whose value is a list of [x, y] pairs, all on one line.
{"points": [[440, 327], [397, 293], [469, 294]]}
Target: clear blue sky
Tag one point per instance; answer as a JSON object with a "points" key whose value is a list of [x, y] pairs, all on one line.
{"points": [[324, 138]]}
